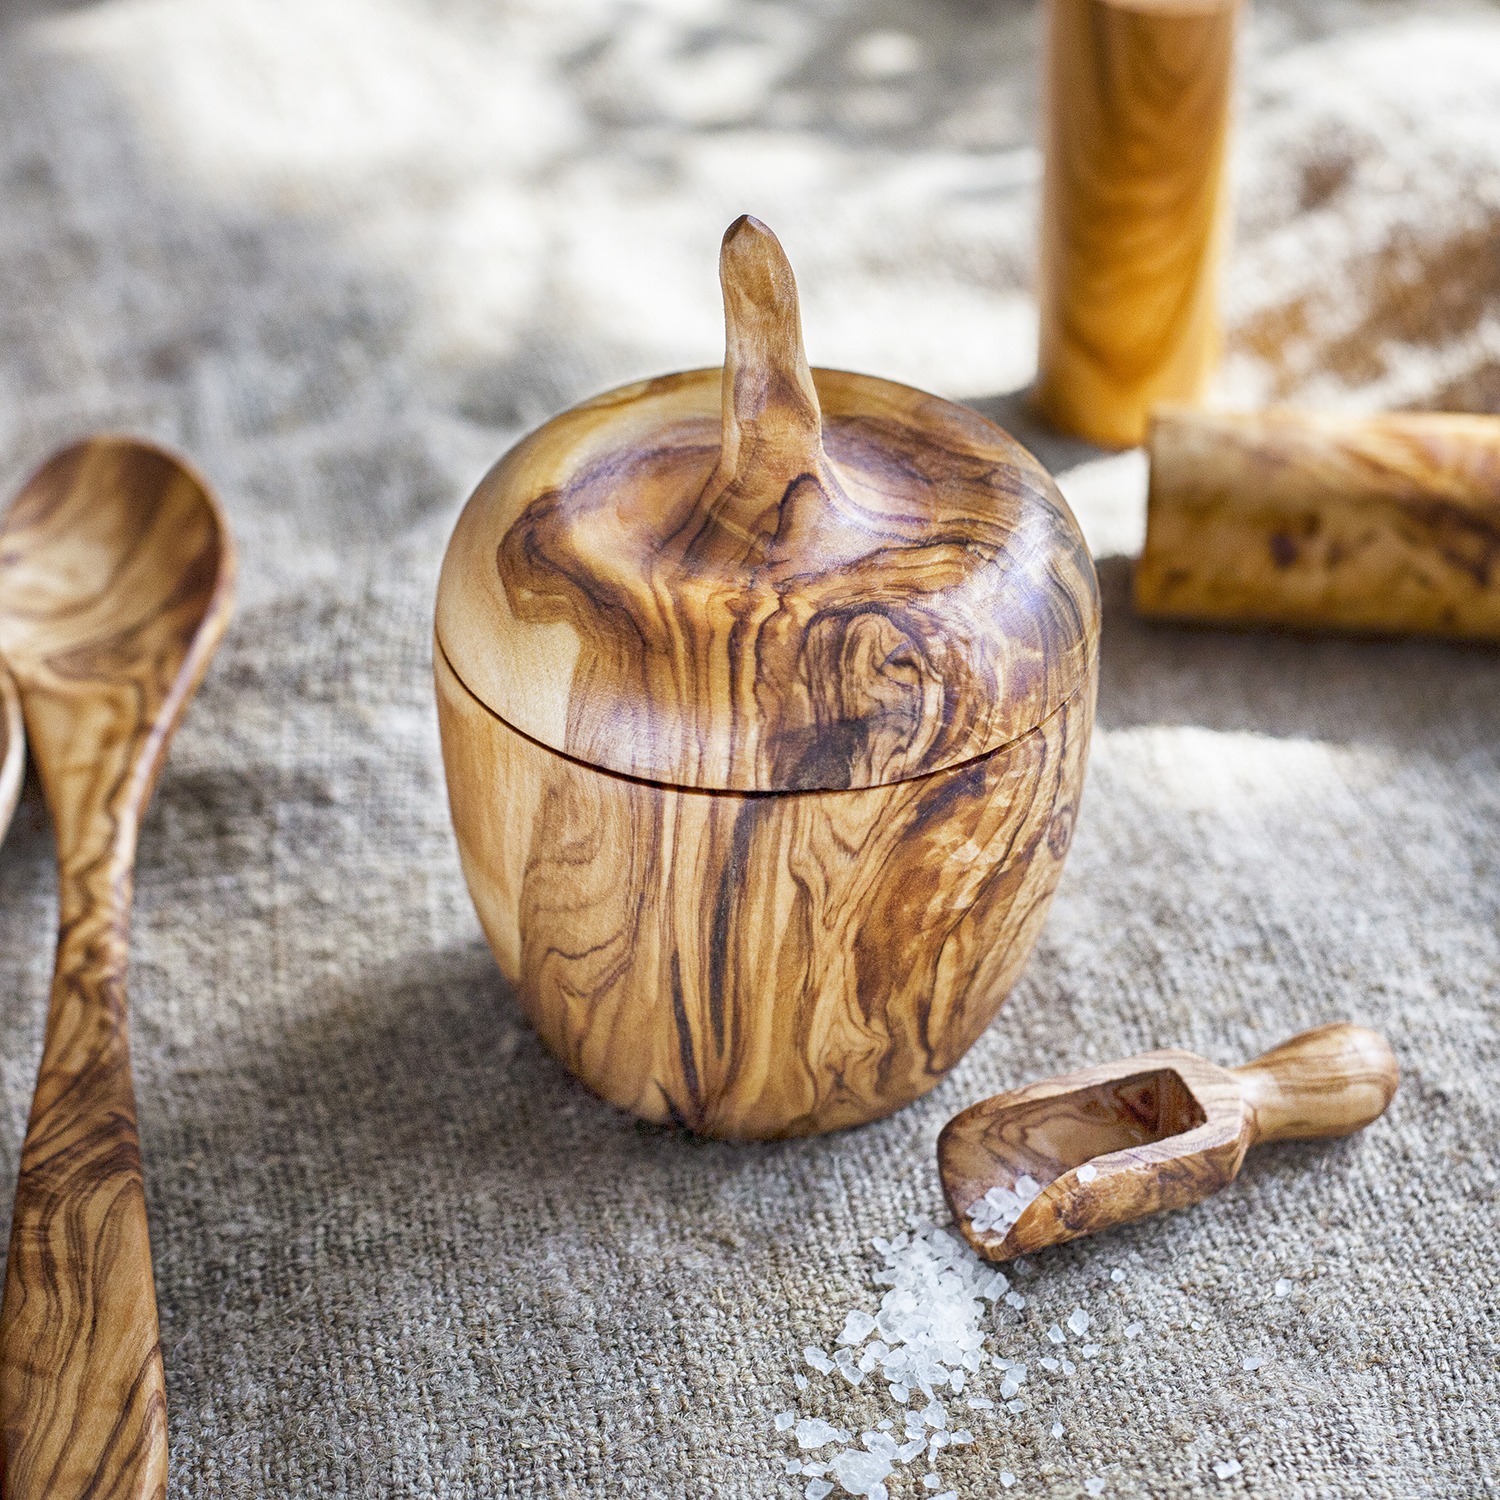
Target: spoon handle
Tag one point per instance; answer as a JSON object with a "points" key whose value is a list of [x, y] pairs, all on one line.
{"points": [[1330, 1081], [82, 1397]]}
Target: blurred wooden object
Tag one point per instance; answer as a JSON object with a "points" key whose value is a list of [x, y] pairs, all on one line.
{"points": [[1133, 213], [1386, 524], [12, 748]]}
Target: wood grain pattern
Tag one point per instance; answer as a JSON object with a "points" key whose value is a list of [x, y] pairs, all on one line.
{"points": [[766, 578], [1387, 524], [12, 748], [1134, 208], [765, 695], [1162, 1130], [115, 581], [759, 965]]}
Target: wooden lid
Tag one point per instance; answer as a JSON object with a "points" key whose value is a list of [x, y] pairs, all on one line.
{"points": [[768, 578]]}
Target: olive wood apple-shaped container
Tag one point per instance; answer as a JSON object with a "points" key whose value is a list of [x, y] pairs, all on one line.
{"points": [[765, 695]]}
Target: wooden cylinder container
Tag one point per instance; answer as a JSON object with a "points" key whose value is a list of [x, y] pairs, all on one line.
{"points": [[1133, 209], [765, 695]]}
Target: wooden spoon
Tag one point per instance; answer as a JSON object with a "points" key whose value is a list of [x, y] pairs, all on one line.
{"points": [[116, 572], [1163, 1130], [12, 748]]}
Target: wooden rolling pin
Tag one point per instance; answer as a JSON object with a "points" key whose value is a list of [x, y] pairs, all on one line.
{"points": [[1133, 209], [1383, 525]]}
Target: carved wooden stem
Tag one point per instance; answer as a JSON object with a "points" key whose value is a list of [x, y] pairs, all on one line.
{"points": [[1134, 201], [1387, 523], [773, 485]]}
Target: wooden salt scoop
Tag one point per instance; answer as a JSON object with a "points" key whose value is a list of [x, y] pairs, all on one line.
{"points": [[115, 578], [1163, 1130], [1387, 524], [12, 748]]}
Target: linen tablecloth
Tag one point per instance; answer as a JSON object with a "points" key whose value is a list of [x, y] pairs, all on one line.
{"points": [[342, 253]]}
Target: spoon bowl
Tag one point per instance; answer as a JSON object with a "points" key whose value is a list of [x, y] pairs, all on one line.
{"points": [[116, 572]]}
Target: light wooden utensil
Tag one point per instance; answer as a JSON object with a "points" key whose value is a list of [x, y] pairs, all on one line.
{"points": [[12, 748], [1158, 1131], [1134, 207], [116, 572], [765, 693], [1386, 524]]}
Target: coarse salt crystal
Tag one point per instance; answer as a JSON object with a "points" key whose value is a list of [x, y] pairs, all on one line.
{"points": [[1057, 1335], [817, 1359], [1015, 1300], [1087, 1172], [1090, 1350], [860, 1473], [1134, 1330], [1117, 1274], [817, 1489], [1228, 1468], [947, 1495], [1048, 1363], [930, 1481], [961, 1436], [1252, 1361], [1078, 1322], [1094, 1486], [793, 1466], [1016, 1406], [1008, 1387], [858, 1326], [1007, 1478], [784, 1420], [885, 1424], [912, 1450], [980, 1403], [1283, 1288], [800, 1381], [1069, 1368], [814, 1432], [1057, 1429]]}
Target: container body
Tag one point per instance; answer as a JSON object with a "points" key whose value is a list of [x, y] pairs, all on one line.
{"points": [[1133, 209], [759, 964]]}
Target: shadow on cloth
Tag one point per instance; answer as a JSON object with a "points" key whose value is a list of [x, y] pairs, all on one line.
{"points": [[1406, 695]]}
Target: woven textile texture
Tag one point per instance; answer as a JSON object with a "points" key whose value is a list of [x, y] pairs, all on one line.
{"points": [[343, 252]]}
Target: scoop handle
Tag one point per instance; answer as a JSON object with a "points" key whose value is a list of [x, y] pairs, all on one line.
{"points": [[1327, 1082]]}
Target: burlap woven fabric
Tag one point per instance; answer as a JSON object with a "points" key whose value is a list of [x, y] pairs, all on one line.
{"points": [[343, 252]]}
